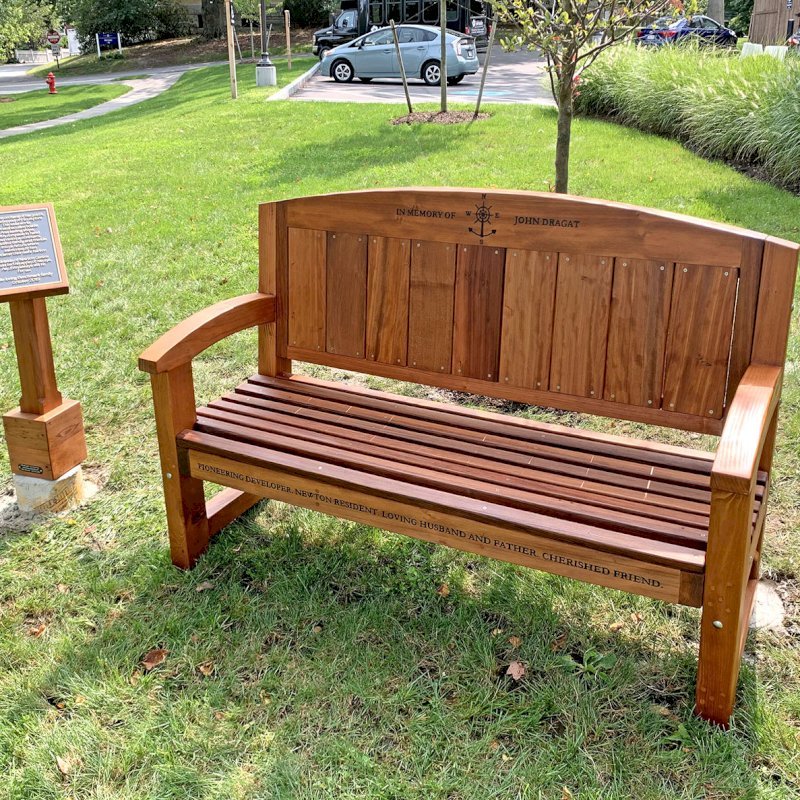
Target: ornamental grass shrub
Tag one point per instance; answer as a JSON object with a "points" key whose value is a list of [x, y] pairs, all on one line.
{"points": [[745, 111]]}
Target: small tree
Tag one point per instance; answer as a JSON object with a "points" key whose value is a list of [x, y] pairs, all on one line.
{"points": [[571, 34], [24, 23]]}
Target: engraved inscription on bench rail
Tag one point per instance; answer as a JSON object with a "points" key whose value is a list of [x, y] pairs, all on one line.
{"points": [[27, 250]]}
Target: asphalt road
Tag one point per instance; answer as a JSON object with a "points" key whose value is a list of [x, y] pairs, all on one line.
{"points": [[517, 77]]}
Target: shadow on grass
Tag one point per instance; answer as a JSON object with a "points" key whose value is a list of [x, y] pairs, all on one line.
{"points": [[334, 639]]}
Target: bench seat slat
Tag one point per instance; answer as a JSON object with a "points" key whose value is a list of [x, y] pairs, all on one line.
{"points": [[409, 444], [475, 483], [416, 463], [455, 451], [693, 461], [619, 471], [638, 548], [620, 462]]}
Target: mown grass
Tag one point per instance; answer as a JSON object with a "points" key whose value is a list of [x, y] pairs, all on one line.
{"points": [[745, 111], [28, 107], [322, 659]]}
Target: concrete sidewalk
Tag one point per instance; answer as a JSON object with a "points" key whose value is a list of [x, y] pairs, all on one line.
{"points": [[142, 89], [12, 81]]}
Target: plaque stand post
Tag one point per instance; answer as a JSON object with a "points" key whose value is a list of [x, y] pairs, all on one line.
{"points": [[45, 435]]}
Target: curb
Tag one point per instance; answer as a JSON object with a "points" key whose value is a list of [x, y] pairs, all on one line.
{"points": [[296, 85]]}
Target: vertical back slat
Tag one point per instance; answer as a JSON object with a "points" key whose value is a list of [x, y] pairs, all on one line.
{"points": [[699, 339], [478, 312], [273, 279], [580, 324], [744, 321], [307, 282], [528, 301], [637, 333], [430, 307], [387, 299], [778, 275], [346, 278]]}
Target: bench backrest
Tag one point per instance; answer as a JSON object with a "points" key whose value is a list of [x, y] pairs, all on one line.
{"points": [[544, 299]]}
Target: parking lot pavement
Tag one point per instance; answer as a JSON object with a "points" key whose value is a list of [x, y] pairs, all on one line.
{"points": [[518, 77]]}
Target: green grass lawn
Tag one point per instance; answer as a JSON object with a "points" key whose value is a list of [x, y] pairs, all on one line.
{"points": [[39, 105], [312, 658]]}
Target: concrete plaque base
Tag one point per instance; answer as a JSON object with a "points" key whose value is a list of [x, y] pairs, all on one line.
{"points": [[40, 496], [266, 76]]}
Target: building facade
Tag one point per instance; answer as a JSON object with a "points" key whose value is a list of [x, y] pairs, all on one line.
{"points": [[773, 21]]}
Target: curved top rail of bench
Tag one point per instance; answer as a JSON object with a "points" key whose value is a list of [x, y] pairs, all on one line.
{"points": [[522, 219]]}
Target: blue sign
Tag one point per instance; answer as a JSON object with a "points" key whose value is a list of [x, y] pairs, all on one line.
{"points": [[107, 40]]}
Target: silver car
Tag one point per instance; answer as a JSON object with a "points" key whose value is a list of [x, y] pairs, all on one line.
{"points": [[374, 56]]}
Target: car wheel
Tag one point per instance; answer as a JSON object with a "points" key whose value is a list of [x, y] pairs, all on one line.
{"points": [[431, 73], [455, 79], [342, 71], [365, 80], [323, 52]]}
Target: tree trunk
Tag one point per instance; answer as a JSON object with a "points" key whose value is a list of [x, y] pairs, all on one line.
{"points": [[565, 101], [213, 19]]}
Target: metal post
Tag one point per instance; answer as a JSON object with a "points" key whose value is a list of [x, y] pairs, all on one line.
{"points": [[286, 16], [485, 70], [119, 42], [97, 39], [265, 69], [402, 66], [252, 43], [231, 50], [443, 64]]}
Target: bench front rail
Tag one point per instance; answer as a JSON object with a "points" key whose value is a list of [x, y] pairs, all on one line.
{"points": [[575, 304]]}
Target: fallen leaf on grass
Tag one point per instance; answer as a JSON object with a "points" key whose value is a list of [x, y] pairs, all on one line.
{"points": [[37, 630], [506, 757], [516, 669], [443, 590], [154, 658], [207, 668], [201, 587], [616, 626], [64, 765], [559, 642], [494, 745], [637, 617], [62, 588], [514, 641], [316, 628], [566, 794], [497, 631]]}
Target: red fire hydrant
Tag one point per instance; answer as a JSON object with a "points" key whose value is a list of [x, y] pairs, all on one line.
{"points": [[50, 80]]}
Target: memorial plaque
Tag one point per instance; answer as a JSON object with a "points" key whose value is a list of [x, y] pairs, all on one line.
{"points": [[31, 262]]}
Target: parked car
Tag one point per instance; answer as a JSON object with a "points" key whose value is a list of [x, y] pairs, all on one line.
{"points": [[357, 17], [374, 56], [700, 29]]}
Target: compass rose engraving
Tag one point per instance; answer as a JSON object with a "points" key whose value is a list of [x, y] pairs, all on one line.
{"points": [[483, 216]]}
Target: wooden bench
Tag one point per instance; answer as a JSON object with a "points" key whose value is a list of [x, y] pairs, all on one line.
{"points": [[542, 299]]}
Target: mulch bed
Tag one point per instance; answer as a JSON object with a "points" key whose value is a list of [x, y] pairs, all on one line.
{"points": [[439, 117]]}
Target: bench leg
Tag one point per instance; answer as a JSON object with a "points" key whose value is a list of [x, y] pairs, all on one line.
{"points": [[726, 610], [173, 397]]}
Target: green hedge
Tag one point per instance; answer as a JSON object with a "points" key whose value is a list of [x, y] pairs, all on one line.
{"points": [[745, 111]]}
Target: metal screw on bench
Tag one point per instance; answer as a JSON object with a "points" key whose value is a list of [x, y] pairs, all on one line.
{"points": [[266, 74]]}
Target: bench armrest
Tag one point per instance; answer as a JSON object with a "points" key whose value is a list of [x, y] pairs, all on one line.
{"points": [[745, 431], [209, 326]]}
